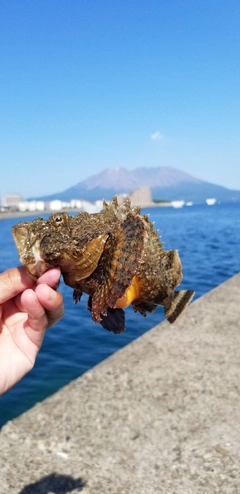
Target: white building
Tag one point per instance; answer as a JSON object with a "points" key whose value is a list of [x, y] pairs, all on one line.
{"points": [[87, 206], [11, 201], [55, 205], [31, 206]]}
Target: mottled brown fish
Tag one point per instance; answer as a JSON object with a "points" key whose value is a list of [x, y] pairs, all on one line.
{"points": [[115, 256]]}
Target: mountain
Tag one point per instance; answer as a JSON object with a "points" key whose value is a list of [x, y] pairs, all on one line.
{"points": [[166, 183]]}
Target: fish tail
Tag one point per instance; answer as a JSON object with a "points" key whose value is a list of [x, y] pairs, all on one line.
{"points": [[175, 303]]}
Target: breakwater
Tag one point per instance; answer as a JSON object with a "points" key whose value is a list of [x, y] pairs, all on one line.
{"points": [[159, 416]]}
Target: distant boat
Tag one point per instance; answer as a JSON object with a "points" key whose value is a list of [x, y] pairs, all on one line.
{"points": [[189, 203], [177, 204], [211, 201]]}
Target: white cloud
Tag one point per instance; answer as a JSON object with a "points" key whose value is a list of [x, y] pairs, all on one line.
{"points": [[157, 136]]}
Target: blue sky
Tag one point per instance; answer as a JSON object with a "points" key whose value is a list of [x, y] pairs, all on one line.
{"points": [[87, 85]]}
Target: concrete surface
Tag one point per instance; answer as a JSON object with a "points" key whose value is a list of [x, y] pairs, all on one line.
{"points": [[161, 415]]}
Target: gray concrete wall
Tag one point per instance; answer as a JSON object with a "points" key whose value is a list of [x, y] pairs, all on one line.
{"points": [[161, 415]]}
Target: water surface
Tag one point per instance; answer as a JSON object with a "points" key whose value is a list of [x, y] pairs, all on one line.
{"points": [[208, 241]]}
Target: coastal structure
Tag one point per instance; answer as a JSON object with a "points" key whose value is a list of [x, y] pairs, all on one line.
{"points": [[138, 197]]}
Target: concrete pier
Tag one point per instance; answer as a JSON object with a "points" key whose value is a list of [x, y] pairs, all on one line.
{"points": [[161, 415]]}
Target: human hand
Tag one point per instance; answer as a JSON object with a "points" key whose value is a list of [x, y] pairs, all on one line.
{"points": [[27, 310]]}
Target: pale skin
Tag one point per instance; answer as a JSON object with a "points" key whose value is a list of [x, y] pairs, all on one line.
{"points": [[27, 310]]}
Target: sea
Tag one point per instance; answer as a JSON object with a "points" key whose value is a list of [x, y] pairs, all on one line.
{"points": [[208, 241]]}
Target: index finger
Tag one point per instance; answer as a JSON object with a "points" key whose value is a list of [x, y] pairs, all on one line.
{"points": [[50, 277], [14, 281]]}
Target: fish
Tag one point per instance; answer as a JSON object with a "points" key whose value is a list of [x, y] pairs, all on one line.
{"points": [[116, 257]]}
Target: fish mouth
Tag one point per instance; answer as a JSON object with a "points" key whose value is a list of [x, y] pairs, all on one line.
{"points": [[20, 235], [29, 251], [39, 266]]}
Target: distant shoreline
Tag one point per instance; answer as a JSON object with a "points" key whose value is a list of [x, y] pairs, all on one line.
{"points": [[19, 214]]}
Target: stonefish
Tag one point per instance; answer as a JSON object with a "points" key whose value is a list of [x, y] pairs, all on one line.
{"points": [[115, 257]]}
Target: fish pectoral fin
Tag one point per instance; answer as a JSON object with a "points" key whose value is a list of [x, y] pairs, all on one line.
{"points": [[89, 258], [175, 303]]}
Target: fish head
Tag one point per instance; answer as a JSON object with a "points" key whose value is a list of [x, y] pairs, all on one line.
{"points": [[40, 242]]}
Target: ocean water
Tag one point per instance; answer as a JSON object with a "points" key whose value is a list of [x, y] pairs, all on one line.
{"points": [[208, 241]]}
